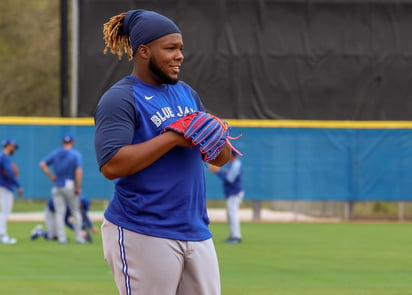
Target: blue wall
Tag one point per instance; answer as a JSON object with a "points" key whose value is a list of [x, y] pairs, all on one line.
{"points": [[328, 164], [280, 163]]}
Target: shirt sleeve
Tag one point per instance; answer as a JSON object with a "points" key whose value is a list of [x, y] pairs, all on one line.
{"points": [[49, 158], [196, 97], [9, 173], [231, 172], [79, 157], [115, 121]]}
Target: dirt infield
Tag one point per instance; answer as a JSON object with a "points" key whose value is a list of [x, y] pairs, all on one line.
{"points": [[215, 215]]}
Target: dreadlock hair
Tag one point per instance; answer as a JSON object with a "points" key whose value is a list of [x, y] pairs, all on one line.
{"points": [[115, 37]]}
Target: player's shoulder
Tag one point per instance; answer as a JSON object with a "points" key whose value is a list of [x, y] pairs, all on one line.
{"points": [[116, 99], [237, 163], [183, 85], [56, 151], [188, 89], [3, 155], [123, 89], [76, 152]]}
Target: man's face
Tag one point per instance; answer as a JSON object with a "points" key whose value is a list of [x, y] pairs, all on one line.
{"points": [[166, 59], [11, 149]]}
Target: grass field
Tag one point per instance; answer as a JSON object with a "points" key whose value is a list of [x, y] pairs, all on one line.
{"points": [[275, 259]]}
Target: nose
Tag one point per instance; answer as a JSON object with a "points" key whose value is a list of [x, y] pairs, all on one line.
{"points": [[179, 55]]}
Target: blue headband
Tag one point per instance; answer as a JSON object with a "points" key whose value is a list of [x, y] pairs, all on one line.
{"points": [[144, 26]]}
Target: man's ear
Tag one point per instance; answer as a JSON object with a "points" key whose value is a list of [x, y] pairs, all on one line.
{"points": [[143, 51]]}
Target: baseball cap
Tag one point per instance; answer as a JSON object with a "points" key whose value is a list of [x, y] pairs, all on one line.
{"points": [[9, 141], [68, 138]]}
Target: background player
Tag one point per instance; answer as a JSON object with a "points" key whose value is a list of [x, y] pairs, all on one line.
{"points": [[8, 183], [231, 176], [66, 177], [51, 233]]}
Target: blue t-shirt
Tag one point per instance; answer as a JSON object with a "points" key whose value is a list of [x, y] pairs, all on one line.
{"points": [[168, 198], [231, 175], [64, 163], [7, 178]]}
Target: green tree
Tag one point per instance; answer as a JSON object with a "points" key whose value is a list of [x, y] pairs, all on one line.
{"points": [[29, 55]]}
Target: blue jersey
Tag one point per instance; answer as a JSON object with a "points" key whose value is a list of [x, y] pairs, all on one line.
{"points": [[168, 198], [64, 163], [7, 178], [231, 175]]}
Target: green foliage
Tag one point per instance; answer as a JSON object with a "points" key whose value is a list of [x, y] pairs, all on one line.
{"points": [[380, 207], [275, 259], [381, 210], [29, 55]]}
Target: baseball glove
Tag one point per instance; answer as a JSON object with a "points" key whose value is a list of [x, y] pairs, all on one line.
{"points": [[206, 131]]}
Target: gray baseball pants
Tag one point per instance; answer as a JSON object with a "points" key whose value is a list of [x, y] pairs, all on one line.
{"points": [[63, 197], [143, 264]]}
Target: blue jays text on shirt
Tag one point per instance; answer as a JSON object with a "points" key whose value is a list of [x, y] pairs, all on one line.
{"points": [[167, 112]]}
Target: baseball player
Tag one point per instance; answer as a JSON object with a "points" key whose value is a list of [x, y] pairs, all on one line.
{"points": [[50, 219], [8, 183], [231, 176], [155, 230], [66, 176]]}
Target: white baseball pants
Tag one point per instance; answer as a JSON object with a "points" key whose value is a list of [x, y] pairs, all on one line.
{"points": [[232, 206], [6, 206]]}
